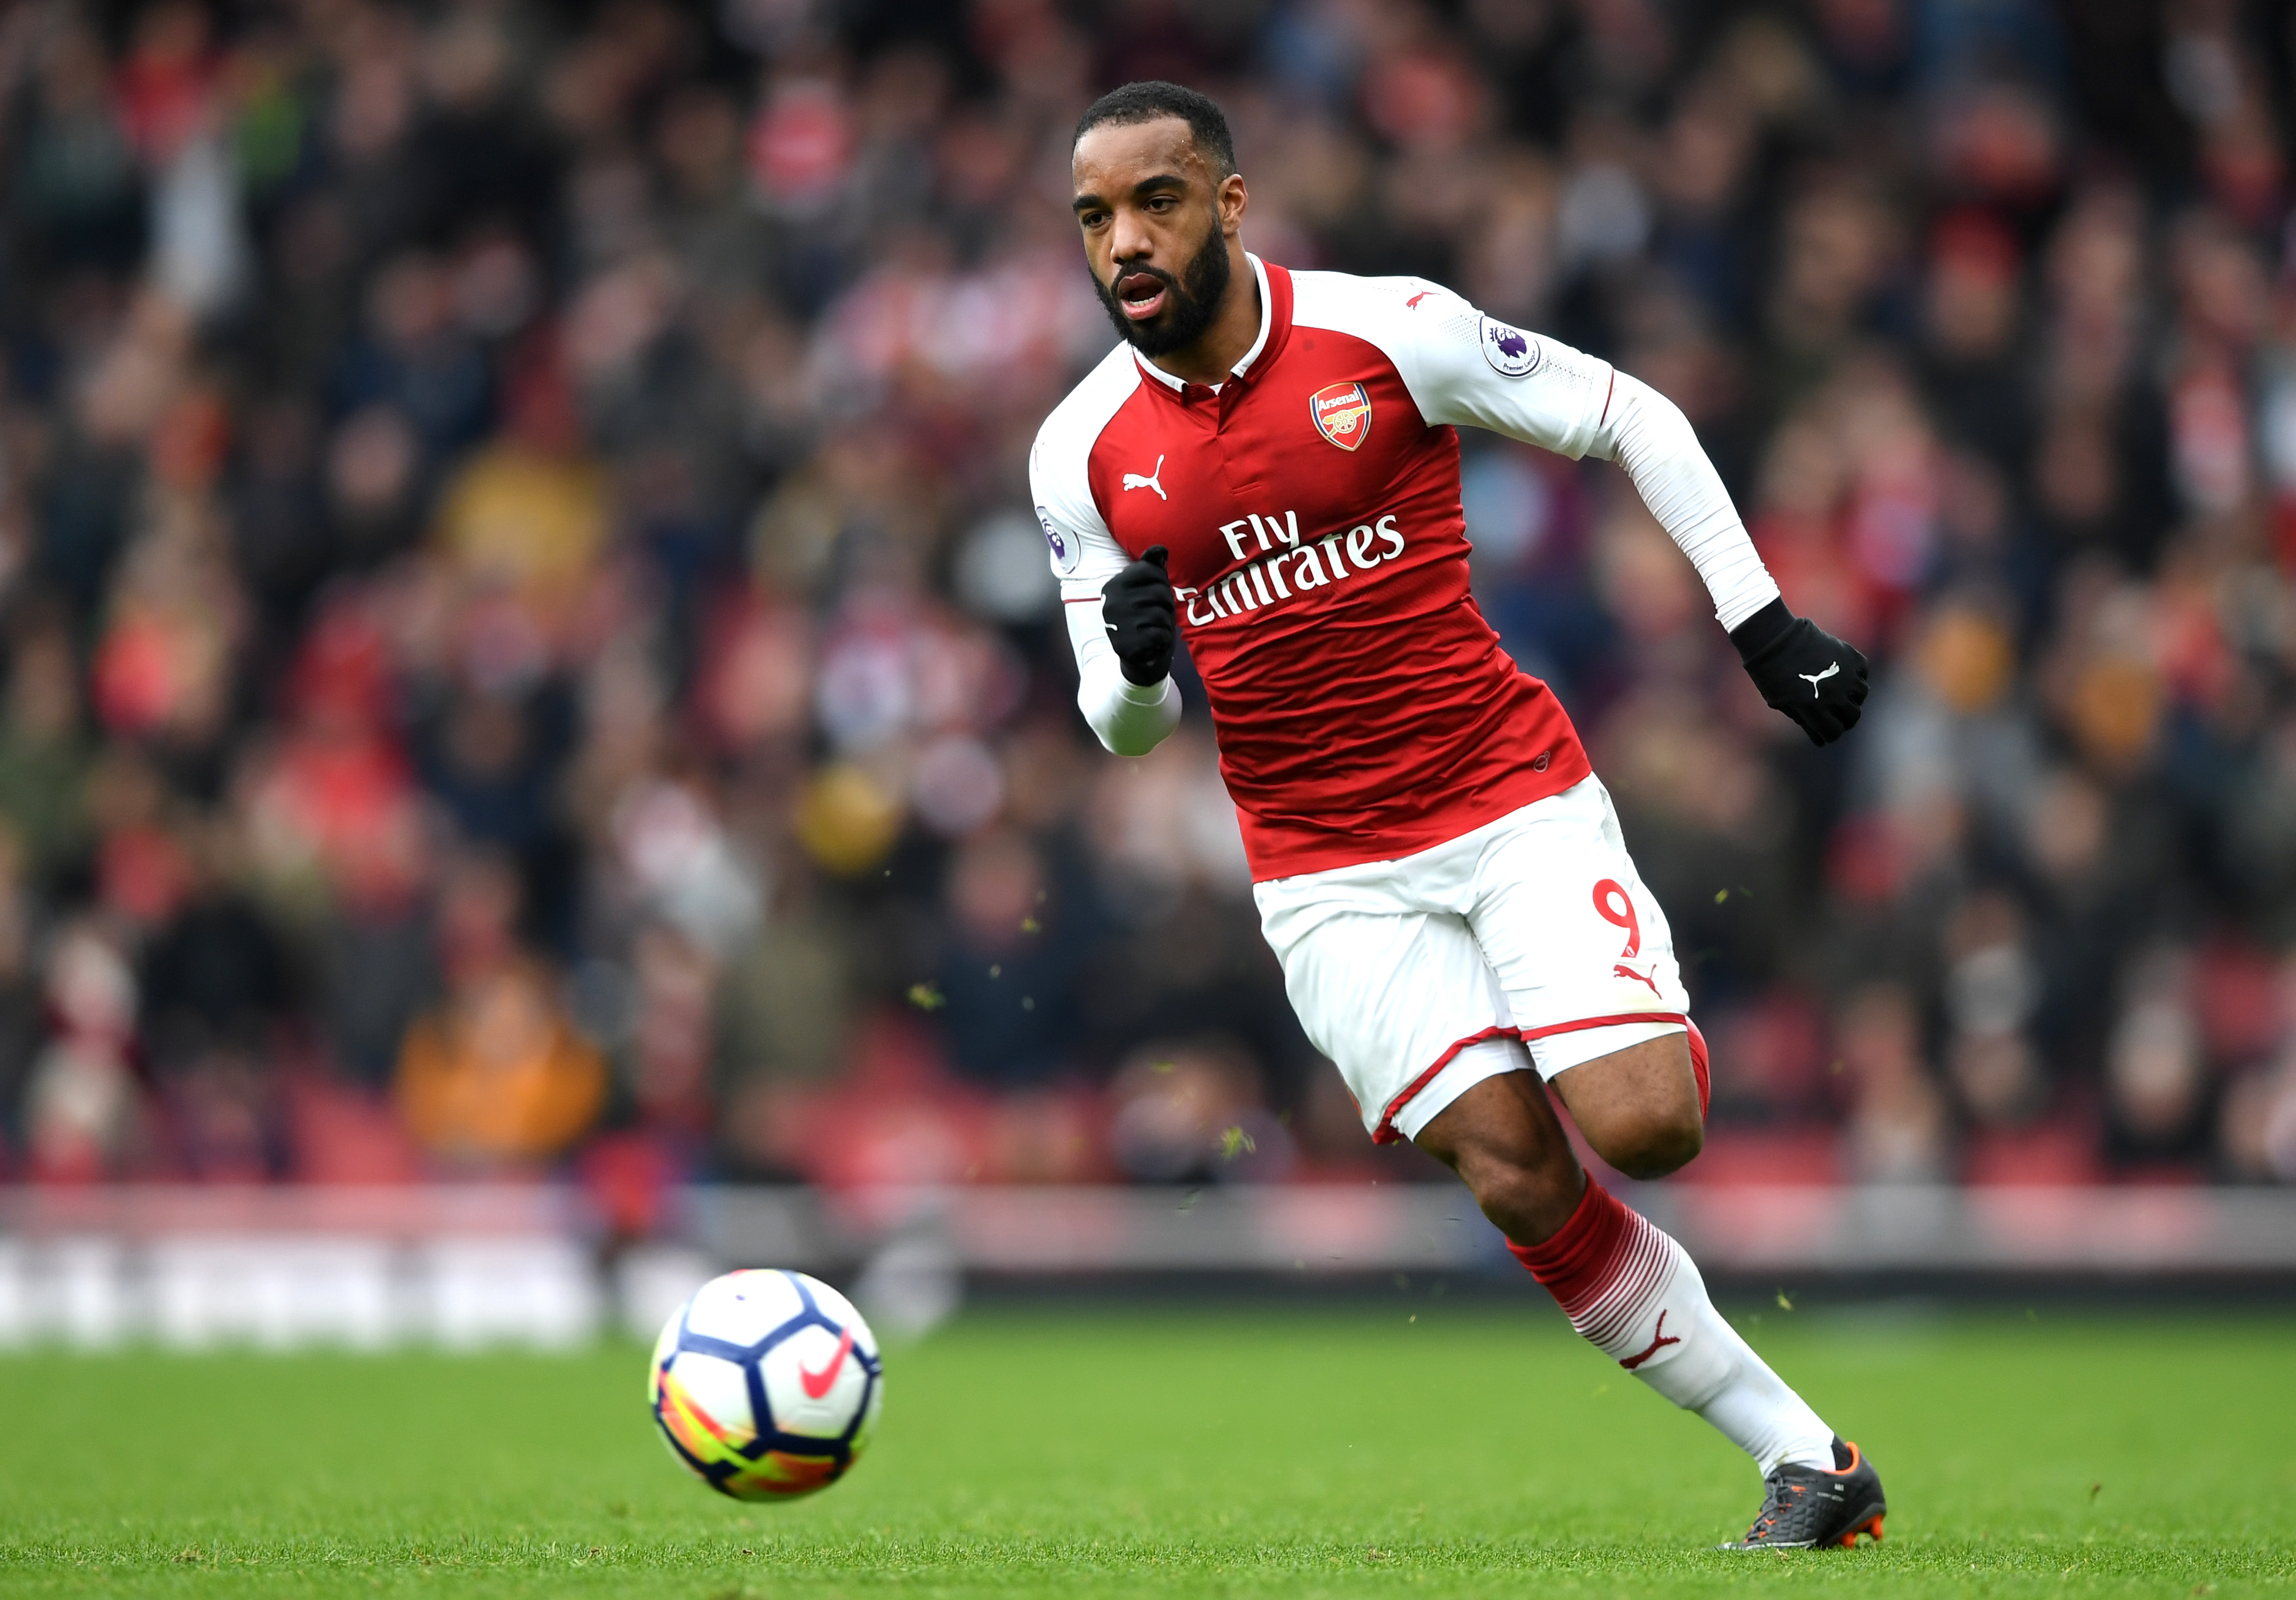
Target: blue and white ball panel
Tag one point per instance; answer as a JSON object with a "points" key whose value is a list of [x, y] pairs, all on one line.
{"points": [[816, 1381], [742, 1308], [721, 1388]]}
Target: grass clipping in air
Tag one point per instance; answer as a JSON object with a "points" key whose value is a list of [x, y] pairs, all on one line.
{"points": [[1470, 1451]]}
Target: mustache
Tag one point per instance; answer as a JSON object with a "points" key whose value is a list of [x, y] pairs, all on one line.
{"points": [[1124, 271]]}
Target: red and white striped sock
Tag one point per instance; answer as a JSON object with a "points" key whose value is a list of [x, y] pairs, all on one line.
{"points": [[1636, 1295]]}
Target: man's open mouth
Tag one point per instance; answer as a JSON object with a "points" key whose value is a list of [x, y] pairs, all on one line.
{"points": [[1141, 294]]}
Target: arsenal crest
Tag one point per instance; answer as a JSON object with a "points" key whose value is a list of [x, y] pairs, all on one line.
{"points": [[1342, 414]]}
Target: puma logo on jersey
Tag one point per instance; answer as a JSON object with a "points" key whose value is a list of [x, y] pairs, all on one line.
{"points": [[1814, 679], [1623, 971], [1133, 480], [1413, 303]]}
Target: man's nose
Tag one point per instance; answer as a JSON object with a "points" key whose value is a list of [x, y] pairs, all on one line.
{"points": [[1130, 243]]}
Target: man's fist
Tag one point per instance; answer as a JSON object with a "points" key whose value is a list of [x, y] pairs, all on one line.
{"points": [[1136, 604], [1802, 670]]}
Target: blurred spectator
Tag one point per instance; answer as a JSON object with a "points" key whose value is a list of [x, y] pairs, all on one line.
{"points": [[1896, 1131], [21, 1019], [495, 1075], [1191, 1111], [44, 758], [217, 1000], [83, 1113]]}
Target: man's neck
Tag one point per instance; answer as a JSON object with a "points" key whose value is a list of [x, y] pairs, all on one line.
{"points": [[1235, 329]]}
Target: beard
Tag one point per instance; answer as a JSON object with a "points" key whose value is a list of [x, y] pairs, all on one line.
{"points": [[1190, 300]]}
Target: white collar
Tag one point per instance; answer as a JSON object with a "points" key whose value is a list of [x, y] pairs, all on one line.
{"points": [[1267, 321]]}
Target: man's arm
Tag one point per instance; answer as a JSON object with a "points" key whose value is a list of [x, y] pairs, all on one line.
{"points": [[1465, 368], [1129, 719], [1646, 434], [1817, 680]]}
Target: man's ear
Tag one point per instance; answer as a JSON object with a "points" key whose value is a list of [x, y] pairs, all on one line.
{"points": [[1232, 202]]}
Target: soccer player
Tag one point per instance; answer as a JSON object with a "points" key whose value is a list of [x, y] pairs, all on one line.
{"points": [[1269, 458]]}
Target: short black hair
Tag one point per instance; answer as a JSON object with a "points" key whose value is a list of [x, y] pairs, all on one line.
{"points": [[1151, 101]]}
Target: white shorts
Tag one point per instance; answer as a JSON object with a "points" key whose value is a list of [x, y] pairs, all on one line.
{"points": [[1419, 976]]}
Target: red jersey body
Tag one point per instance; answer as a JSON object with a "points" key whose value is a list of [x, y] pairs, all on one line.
{"points": [[1363, 708]]}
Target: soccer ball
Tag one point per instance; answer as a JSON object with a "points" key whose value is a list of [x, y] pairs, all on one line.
{"points": [[767, 1384]]}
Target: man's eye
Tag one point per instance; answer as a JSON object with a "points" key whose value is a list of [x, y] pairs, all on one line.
{"points": [[1162, 202]]}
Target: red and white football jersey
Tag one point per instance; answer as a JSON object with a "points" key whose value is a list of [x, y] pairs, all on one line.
{"points": [[1363, 708]]}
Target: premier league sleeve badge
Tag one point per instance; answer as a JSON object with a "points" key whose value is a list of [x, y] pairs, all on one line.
{"points": [[1067, 551], [1512, 352]]}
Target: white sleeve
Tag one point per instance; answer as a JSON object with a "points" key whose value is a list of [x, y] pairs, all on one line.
{"points": [[1465, 368], [1647, 434], [1468, 370], [1129, 719]]}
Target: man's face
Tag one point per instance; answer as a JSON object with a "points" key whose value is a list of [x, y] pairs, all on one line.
{"points": [[1156, 227]]}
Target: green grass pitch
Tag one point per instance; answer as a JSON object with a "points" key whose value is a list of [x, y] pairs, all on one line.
{"points": [[1472, 1451]]}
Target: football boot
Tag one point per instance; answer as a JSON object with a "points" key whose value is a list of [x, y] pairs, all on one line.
{"points": [[1805, 1508]]}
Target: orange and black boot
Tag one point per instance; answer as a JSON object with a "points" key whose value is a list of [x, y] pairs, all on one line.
{"points": [[1806, 1508]]}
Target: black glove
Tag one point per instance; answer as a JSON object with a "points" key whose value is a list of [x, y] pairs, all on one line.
{"points": [[1136, 604], [1802, 670]]}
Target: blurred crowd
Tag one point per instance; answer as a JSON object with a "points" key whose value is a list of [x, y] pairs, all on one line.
{"points": [[525, 647]]}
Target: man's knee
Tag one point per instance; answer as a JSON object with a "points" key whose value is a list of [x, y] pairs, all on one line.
{"points": [[1638, 1107], [1528, 1200], [1502, 1138], [1656, 1144]]}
